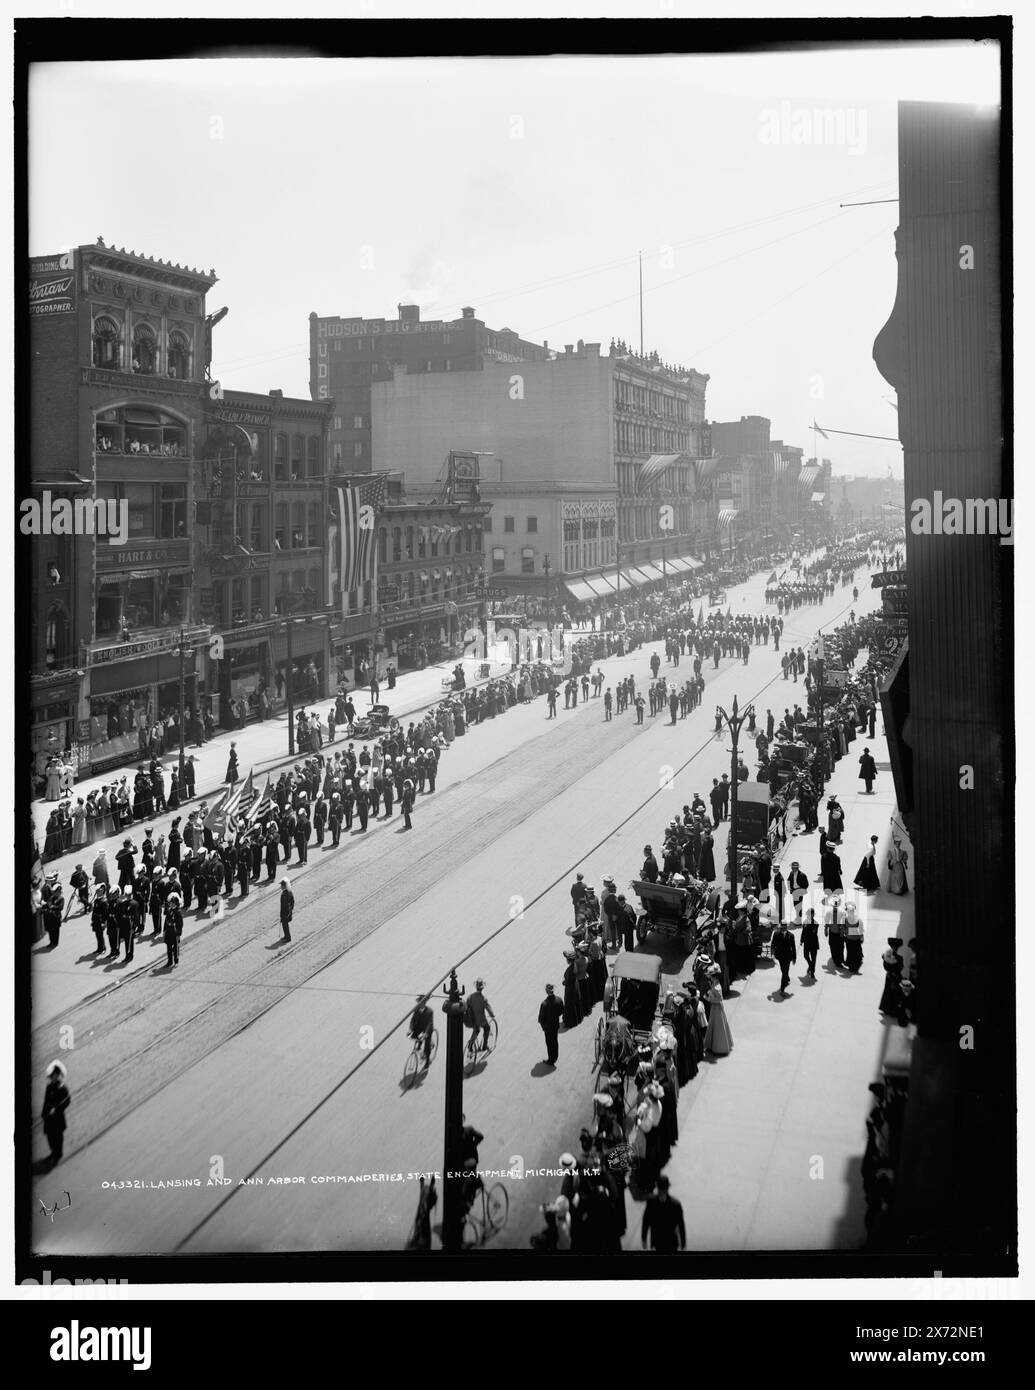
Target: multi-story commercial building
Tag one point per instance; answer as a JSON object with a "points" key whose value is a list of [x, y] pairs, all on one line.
{"points": [[262, 530], [348, 355], [572, 459], [120, 348], [949, 706]]}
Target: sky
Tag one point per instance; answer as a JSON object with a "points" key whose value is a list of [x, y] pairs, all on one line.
{"points": [[527, 188]]}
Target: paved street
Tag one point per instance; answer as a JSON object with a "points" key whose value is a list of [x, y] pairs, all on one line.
{"points": [[286, 1061]]}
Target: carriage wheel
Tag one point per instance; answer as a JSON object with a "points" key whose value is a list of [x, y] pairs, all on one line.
{"points": [[643, 926], [497, 1207], [598, 1041]]}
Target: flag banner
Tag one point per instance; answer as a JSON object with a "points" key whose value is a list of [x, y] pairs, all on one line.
{"points": [[819, 431], [357, 539], [225, 817], [261, 804]]}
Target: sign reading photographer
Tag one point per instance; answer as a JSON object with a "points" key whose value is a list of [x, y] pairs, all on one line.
{"points": [[51, 290]]}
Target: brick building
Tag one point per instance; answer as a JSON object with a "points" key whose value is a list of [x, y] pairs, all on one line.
{"points": [[120, 347]]}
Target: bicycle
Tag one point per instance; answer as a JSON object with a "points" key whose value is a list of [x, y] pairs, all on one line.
{"points": [[415, 1061], [473, 1053], [495, 1209]]}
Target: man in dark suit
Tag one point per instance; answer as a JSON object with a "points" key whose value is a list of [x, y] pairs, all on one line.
{"points": [[797, 884], [126, 861], [550, 1011], [785, 952], [627, 922], [287, 908], [650, 870], [663, 1222], [715, 797]]}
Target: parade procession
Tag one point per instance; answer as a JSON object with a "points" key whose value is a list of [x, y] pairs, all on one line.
{"points": [[488, 798]]}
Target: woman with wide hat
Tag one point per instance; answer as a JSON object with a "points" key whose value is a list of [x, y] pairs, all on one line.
{"points": [[867, 878]]}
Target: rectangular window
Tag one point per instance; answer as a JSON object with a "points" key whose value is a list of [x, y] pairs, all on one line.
{"points": [[172, 510], [141, 500], [259, 526], [449, 364], [488, 523], [498, 560], [446, 339], [337, 422], [357, 422], [533, 524], [508, 523], [528, 561], [357, 449]]}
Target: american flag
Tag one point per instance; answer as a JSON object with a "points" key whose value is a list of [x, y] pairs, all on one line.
{"points": [[356, 530]]}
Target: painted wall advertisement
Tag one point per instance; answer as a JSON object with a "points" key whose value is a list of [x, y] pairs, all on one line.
{"points": [[51, 286]]}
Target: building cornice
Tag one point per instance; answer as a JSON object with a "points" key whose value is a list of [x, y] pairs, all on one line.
{"points": [[119, 261]]}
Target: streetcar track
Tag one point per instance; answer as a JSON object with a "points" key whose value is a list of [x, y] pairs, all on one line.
{"points": [[297, 1127]]}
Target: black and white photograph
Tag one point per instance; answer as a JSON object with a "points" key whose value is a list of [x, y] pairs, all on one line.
{"points": [[514, 650]]}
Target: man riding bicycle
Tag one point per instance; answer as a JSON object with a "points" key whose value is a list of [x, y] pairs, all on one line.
{"points": [[422, 1021], [477, 1014]]}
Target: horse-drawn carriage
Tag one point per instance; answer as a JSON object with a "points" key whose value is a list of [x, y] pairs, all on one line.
{"points": [[632, 1012], [375, 723], [716, 596], [671, 909]]}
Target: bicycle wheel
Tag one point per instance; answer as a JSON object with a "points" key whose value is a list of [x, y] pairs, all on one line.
{"points": [[434, 1046], [412, 1068], [494, 1033], [471, 1055], [470, 1236], [598, 1041], [497, 1207]]}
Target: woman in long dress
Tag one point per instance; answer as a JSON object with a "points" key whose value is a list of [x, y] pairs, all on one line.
{"points": [[718, 1040], [898, 861], [79, 836], [891, 998], [706, 861], [831, 868], [54, 779], [867, 877], [835, 820], [572, 1007]]}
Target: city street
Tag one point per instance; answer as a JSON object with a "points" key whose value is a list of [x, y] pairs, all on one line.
{"points": [[259, 1060]]}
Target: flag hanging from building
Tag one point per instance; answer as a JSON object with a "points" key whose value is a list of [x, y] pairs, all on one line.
{"points": [[357, 506]]}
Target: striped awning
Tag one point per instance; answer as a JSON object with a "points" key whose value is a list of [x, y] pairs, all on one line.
{"points": [[652, 571], [705, 468], [780, 465], [728, 515], [678, 565], [655, 466], [580, 590], [807, 477]]}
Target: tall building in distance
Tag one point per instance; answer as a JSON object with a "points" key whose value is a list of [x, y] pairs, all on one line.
{"points": [[348, 355]]}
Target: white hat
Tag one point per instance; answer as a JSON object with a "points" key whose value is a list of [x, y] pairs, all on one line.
{"points": [[58, 1067]]}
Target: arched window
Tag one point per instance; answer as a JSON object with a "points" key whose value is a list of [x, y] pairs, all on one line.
{"points": [[140, 430], [107, 350], [280, 457], [297, 457], [422, 542], [145, 350], [178, 355], [280, 526], [382, 545], [409, 542]]}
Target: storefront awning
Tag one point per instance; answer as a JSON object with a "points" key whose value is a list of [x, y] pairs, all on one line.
{"points": [[683, 564], [653, 572], [581, 590], [637, 575]]}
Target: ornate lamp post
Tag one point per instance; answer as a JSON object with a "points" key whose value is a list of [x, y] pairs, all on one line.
{"points": [[549, 615], [734, 722]]}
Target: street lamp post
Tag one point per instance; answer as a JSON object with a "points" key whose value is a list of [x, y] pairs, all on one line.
{"points": [[289, 685], [452, 1193], [734, 722], [549, 606], [618, 575], [182, 706]]}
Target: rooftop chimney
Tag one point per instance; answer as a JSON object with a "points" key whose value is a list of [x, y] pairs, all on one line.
{"points": [[467, 312], [409, 313], [277, 395], [568, 349]]}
